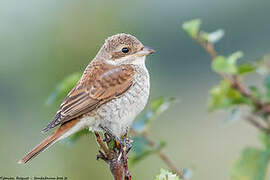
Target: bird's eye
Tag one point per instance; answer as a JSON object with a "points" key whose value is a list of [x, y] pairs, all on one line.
{"points": [[125, 50]]}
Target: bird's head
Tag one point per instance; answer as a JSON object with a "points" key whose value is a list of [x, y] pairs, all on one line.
{"points": [[124, 49]]}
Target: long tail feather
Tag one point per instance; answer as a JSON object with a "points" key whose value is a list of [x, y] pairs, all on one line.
{"points": [[48, 141]]}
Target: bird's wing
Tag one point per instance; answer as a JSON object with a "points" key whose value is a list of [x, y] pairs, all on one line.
{"points": [[99, 84]]}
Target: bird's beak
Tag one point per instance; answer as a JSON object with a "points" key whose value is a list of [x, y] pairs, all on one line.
{"points": [[145, 51]]}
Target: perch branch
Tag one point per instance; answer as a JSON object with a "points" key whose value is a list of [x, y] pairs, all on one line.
{"points": [[116, 158]]}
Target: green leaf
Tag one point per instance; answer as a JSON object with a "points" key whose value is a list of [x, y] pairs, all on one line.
{"points": [[192, 27], [157, 107], [263, 65], [166, 175], [74, 137], [216, 35], [235, 56], [63, 88], [251, 165], [218, 98], [142, 149], [224, 97], [213, 37], [222, 65], [161, 104], [227, 65], [233, 94], [245, 69]]}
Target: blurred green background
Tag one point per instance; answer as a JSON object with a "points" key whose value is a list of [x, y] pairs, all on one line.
{"points": [[41, 42]]}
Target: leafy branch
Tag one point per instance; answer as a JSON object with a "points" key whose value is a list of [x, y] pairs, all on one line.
{"points": [[231, 94], [231, 73]]}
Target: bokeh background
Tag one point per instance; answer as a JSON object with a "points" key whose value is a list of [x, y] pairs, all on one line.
{"points": [[41, 42]]}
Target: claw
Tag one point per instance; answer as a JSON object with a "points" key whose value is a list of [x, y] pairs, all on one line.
{"points": [[102, 156], [107, 137], [127, 144]]}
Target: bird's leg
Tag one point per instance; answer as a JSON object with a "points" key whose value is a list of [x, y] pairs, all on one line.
{"points": [[102, 155], [123, 146], [124, 143], [111, 136], [127, 142], [126, 148]]}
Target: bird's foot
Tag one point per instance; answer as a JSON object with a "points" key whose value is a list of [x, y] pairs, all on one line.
{"points": [[126, 144], [121, 143], [108, 137], [102, 156]]}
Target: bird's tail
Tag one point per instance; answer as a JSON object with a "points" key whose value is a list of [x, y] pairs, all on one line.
{"points": [[61, 131]]}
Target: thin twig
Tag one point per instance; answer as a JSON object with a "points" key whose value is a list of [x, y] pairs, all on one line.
{"points": [[251, 119], [164, 157], [208, 47]]}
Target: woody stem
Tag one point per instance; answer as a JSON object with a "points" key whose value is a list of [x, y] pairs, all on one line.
{"points": [[116, 158]]}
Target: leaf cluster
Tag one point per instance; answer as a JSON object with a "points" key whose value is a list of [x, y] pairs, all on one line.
{"points": [[231, 94]]}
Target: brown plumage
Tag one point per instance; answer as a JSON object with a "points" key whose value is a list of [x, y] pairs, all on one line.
{"points": [[110, 75], [99, 83]]}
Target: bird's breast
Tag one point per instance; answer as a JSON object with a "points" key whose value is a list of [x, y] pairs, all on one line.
{"points": [[118, 114]]}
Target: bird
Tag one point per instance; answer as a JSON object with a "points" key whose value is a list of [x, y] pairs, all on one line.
{"points": [[113, 90]]}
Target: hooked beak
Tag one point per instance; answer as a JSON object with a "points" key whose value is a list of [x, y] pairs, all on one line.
{"points": [[145, 51]]}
